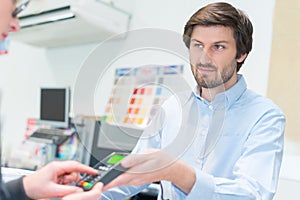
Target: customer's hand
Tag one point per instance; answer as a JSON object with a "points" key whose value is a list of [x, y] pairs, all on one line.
{"points": [[53, 180], [94, 193]]}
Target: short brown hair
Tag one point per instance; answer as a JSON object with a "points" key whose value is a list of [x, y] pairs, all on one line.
{"points": [[223, 14]]}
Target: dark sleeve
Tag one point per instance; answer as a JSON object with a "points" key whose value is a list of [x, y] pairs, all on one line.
{"points": [[16, 190]]}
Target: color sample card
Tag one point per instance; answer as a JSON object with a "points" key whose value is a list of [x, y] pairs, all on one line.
{"points": [[137, 90]]}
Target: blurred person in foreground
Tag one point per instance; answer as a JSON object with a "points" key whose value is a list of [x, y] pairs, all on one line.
{"points": [[54, 179]]}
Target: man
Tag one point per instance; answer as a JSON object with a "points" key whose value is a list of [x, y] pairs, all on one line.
{"points": [[223, 141], [51, 180]]}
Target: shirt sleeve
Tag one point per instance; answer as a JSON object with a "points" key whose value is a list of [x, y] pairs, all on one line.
{"points": [[255, 173], [16, 190]]}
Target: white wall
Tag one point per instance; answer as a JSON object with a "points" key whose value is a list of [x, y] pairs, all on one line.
{"points": [[23, 70]]}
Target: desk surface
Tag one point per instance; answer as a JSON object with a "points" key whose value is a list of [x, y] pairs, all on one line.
{"points": [[13, 173]]}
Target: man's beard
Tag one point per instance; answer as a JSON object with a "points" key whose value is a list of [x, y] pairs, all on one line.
{"points": [[220, 78]]}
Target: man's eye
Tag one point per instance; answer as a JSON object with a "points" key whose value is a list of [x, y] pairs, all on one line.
{"points": [[199, 46], [219, 47]]}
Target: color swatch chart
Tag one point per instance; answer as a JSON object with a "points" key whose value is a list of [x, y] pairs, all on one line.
{"points": [[137, 93]]}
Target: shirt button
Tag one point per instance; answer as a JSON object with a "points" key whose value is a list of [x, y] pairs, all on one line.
{"points": [[211, 107]]}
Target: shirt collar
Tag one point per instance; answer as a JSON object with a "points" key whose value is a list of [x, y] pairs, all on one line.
{"points": [[230, 96]]}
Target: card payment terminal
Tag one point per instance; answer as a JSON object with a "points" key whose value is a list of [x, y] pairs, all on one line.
{"points": [[109, 168]]}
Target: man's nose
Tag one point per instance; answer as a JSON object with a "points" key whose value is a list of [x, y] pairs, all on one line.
{"points": [[205, 57], [14, 25]]}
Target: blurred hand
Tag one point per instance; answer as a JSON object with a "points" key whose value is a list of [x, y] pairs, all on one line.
{"points": [[94, 193], [53, 180]]}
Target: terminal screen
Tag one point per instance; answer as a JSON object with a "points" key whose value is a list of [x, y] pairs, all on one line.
{"points": [[115, 159]]}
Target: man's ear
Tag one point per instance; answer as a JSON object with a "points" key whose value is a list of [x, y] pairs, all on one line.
{"points": [[242, 58]]}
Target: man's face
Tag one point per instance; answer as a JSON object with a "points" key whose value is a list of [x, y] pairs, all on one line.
{"points": [[212, 56], [7, 21]]}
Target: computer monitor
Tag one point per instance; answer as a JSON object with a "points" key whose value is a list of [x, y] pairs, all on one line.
{"points": [[54, 107]]}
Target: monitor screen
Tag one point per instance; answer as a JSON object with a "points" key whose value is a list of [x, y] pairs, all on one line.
{"points": [[54, 107]]}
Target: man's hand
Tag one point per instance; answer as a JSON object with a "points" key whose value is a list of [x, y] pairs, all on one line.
{"points": [[154, 165]]}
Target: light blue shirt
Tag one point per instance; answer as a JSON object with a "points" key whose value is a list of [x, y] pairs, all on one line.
{"points": [[234, 144]]}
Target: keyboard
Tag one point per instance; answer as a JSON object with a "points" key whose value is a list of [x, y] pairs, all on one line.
{"points": [[54, 131], [51, 135]]}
